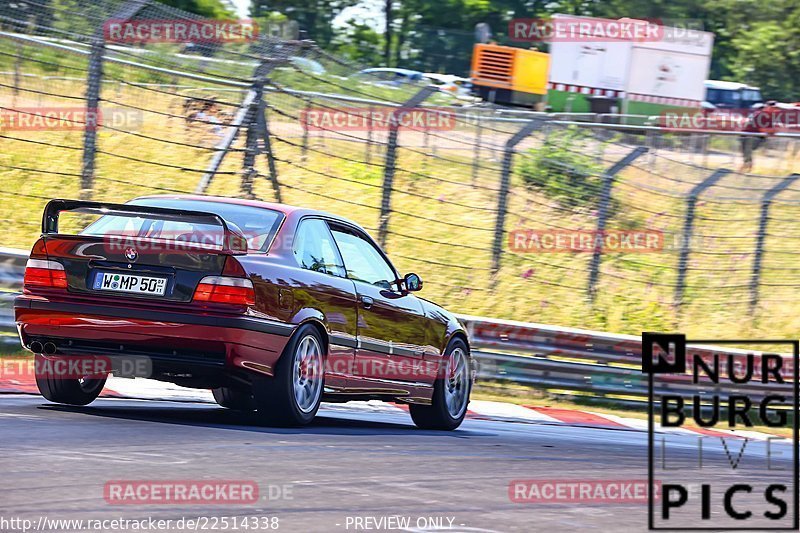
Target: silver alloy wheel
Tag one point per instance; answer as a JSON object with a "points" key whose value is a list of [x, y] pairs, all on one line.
{"points": [[456, 385], [307, 373]]}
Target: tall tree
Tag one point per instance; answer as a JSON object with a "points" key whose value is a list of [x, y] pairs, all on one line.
{"points": [[360, 43], [388, 13], [314, 16], [207, 8]]}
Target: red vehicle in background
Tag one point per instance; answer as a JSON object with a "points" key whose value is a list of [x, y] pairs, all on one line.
{"points": [[275, 308]]}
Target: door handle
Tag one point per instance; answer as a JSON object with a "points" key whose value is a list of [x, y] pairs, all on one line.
{"points": [[366, 301]]}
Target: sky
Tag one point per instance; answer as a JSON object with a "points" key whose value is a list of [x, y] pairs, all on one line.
{"points": [[369, 11], [242, 7]]}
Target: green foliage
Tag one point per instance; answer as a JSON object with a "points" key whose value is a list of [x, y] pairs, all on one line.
{"points": [[315, 17], [359, 42], [214, 9], [66, 15], [560, 171], [758, 51]]}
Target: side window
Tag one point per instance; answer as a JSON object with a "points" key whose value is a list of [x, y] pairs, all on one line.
{"points": [[315, 250], [362, 260]]}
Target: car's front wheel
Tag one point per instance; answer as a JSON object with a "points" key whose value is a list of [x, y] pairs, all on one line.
{"points": [[63, 389], [292, 397], [451, 391]]}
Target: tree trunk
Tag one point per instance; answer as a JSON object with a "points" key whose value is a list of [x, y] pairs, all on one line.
{"points": [[401, 38], [387, 45]]}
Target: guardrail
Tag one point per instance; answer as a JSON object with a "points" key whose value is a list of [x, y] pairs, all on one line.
{"points": [[562, 361], [12, 269], [593, 364]]}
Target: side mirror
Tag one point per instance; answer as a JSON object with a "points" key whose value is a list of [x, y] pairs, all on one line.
{"points": [[413, 282]]}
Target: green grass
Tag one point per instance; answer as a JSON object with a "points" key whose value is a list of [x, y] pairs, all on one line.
{"points": [[12, 350]]}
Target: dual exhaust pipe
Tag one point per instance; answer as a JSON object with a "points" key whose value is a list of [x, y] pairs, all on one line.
{"points": [[46, 348]]}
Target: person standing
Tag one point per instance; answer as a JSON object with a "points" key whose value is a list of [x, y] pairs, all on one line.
{"points": [[761, 120]]}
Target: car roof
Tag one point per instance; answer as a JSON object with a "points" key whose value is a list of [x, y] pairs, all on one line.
{"points": [[405, 71], [727, 85], [443, 77], [286, 209]]}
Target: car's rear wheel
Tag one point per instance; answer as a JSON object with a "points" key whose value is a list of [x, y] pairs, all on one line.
{"points": [[292, 397], [451, 392], [235, 398], [62, 389]]}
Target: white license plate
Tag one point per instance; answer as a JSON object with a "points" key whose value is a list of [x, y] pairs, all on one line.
{"points": [[109, 281]]}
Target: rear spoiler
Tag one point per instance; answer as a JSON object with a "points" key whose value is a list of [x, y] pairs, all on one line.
{"points": [[234, 242]]}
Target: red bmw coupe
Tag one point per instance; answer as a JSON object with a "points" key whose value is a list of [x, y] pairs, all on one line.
{"points": [[275, 308]]}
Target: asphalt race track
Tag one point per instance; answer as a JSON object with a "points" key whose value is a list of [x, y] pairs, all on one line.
{"points": [[346, 465]]}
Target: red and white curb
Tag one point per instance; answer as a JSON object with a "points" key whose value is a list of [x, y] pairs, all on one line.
{"points": [[146, 389]]}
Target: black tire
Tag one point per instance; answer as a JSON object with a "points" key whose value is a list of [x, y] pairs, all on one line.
{"points": [[235, 398], [437, 415], [275, 397], [70, 391]]}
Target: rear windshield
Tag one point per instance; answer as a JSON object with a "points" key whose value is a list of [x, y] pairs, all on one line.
{"points": [[257, 224]]}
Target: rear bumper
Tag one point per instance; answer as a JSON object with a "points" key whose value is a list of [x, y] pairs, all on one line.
{"points": [[174, 340]]}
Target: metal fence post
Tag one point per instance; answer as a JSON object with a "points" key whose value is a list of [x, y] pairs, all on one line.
{"points": [[368, 146], [391, 159], [688, 230], [505, 182], [426, 146], [604, 212], [93, 84], [257, 128], [434, 146], [251, 141], [263, 126], [245, 117], [763, 221], [651, 144], [222, 148], [476, 158], [17, 61], [304, 149]]}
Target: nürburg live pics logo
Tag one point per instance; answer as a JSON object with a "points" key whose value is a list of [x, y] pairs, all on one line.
{"points": [[722, 433]]}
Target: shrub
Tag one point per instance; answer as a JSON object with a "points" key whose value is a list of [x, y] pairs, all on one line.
{"points": [[561, 171]]}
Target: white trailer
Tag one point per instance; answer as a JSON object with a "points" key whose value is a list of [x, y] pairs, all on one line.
{"points": [[665, 70]]}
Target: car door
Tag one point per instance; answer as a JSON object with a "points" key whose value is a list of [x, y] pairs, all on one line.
{"points": [[323, 286], [391, 327]]}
